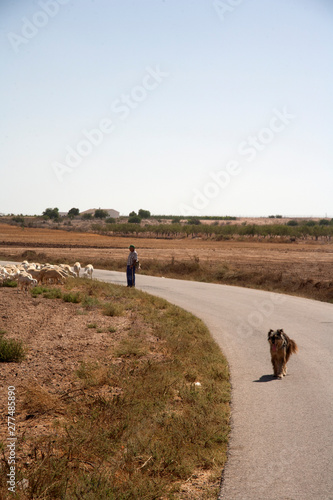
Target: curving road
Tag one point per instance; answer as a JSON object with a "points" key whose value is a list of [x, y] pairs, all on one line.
{"points": [[281, 445]]}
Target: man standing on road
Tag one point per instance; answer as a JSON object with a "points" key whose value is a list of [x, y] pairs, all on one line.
{"points": [[131, 263]]}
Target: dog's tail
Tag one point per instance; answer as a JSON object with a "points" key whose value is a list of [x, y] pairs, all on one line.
{"points": [[292, 347]]}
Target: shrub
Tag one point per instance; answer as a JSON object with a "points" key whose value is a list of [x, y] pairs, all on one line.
{"points": [[144, 214], [51, 213], [194, 221], [74, 297], [292, 223], [90, 302], [53, 293], [176, 220], [134, 219], [110, 309], [100, 214], [87, 216], [18, 219], [73, 212], [11, 350], [9, 284], [48, 293]]}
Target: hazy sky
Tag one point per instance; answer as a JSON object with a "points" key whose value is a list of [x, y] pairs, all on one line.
{"points": [[206, 107]]}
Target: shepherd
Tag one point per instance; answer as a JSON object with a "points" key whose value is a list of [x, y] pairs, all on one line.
{"points": [[131, 264]]}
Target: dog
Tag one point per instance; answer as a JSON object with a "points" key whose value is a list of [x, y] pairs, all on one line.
{"points": [[282, 347]]}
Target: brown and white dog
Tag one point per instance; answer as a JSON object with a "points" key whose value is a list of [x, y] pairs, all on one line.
{"points": [[282, 347]]}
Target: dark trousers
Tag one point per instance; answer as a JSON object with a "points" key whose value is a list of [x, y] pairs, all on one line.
{"points": [[130, 276]]}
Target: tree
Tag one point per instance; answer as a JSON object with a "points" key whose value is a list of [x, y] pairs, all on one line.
{"points": [[134, 219], [144, 214], [51, 213], [132, 214], [87, 216], [195, 221], [100, 214], [73, 212], [176, 220]]}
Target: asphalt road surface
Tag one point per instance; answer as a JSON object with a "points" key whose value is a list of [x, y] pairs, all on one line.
{"points": [[281, 444]]}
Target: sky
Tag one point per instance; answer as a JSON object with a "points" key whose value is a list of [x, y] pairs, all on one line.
{"points": [[182, 107]]}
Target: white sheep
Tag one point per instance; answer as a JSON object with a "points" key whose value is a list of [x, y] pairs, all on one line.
{"points": [[77, 268], [24, 281], [67, 269], [88, 271]]}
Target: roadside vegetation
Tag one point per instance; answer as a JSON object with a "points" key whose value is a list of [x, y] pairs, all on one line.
{"points": [[144, 421], [10, 350]]}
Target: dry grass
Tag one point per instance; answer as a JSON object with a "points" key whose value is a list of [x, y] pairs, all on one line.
{"points": [[135, 426]]}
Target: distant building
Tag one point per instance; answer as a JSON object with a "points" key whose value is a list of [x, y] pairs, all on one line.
{"points": [[110, 212]]}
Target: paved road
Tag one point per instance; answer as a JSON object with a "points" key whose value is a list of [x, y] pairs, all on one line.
{"points": [[281, 445]]}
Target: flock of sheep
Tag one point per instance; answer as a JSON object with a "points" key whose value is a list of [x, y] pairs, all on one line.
{"points": [[30, 274]]}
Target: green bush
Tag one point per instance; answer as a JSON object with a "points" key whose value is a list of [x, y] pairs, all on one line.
{"points": [[51, 213], [134, 219], [100, 214], [87, 216], [110, 309], [73, 212], [8, 284], [292, 223], [144, 214], [74, 297], [48, 293], [11, 350], [18, 219]]}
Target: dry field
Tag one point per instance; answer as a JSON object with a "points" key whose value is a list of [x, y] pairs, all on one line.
{"points": [[304, 268], [105, 401]]}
